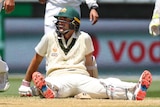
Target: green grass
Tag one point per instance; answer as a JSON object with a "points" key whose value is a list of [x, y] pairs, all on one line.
{"points": [[153, 91], [13, 90]]}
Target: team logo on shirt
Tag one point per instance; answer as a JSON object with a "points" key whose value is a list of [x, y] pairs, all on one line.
{"points": [[54, 50], [54, 53]]}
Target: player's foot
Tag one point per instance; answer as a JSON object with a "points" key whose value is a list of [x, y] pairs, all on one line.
{"points": [[7, 86], [4, 82], [40, 83], [144, 83], [4, 86]]}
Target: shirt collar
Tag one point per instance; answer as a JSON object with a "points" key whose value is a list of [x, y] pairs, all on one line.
{"points": [[74, 35]]}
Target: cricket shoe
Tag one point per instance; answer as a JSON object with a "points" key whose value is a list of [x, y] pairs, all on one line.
{"points": [[4, 82], [40, 83], [144, 83]]}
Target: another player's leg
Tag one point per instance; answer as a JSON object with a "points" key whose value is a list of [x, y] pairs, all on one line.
{"points": [[40, 83], [1, 5], [4, 82], [144, 83]]}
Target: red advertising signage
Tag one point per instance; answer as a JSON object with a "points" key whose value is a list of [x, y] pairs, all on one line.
{"points": [[126, 50]]}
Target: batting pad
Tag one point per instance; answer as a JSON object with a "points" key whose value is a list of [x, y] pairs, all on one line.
{"points": [[3, 66], [4, 83]]}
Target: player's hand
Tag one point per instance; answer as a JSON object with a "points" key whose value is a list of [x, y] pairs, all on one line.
{"points": [[154, 26], [9, 5], [93, 16], [25, 89], [42, 1]]}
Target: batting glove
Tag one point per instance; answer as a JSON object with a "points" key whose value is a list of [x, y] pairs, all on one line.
{"points": [[154, 26], [25, 89]]}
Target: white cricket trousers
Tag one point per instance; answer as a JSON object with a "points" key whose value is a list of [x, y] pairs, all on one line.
{"points": [[68, 85]]}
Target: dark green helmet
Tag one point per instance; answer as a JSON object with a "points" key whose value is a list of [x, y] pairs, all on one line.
{"points": [[70, 13]]}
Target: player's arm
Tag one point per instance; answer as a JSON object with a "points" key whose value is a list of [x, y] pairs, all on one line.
{"points": [[24, 89], [9, 5], [37, 59], [91, 65], [93, 6], [154, 26]]}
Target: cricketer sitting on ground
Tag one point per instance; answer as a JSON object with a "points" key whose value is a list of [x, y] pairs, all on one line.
{"points": [[68, 52]]}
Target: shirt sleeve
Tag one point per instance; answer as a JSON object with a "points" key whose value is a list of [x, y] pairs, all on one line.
{"points": [[89, 45], [91, 3], [157, 7], [41, 47]]}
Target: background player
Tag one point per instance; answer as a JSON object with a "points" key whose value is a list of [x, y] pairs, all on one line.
{"points": [[54, 6], [8, 6], [154, 26], [69, 64]]}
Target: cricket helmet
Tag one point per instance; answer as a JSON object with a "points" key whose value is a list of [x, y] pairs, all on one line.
{"points": [[72, 14]]}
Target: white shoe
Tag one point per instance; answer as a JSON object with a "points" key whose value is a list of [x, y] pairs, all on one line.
{"points": [[4, 82], [5, 87]]}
